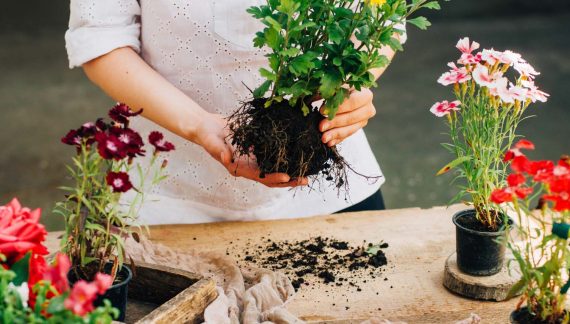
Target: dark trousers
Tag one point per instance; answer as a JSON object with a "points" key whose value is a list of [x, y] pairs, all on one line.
{"points": [[374, 202]]}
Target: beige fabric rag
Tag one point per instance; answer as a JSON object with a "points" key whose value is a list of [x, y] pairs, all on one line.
{"points": [[245, 295]]}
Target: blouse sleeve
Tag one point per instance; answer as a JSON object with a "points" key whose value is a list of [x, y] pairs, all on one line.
{"points": [[97, 27]]}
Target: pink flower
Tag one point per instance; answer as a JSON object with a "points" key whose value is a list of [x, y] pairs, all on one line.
{"points": [[456, 75], [465, 46], [119, 181], [482, 76], [491, 56], [121, 113], [510, 57], [500, 88], [81, 298], [20, 231], [518, 93], [110, 147], [57, 274], [103, 282], [525, 69], [157, 140], [467, 58], [533, 93], [443, 108]]}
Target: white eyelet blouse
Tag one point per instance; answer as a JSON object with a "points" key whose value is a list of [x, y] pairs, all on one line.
{"points": [[205, 49]]}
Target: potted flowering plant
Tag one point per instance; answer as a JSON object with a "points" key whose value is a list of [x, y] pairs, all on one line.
{"points": [[96, 222], [482, 125], [316, 50], [540, 246], [33, 292]]}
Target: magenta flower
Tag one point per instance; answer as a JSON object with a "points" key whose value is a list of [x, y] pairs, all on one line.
{"points": [[443, 108], [157, 140], [109, 147], [81, 298], [467, 58], [119, 181], [466, 47], [121, 113], [103, 282], [132, 140]]}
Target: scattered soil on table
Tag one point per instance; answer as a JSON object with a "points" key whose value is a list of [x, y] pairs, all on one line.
{"points": [[327, 260]]}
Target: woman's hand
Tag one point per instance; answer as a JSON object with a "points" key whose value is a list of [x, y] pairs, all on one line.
{"points": [[353, 114], [212, 135]]}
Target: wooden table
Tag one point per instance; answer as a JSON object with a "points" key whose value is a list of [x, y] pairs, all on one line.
{"points": [[420, 241]]}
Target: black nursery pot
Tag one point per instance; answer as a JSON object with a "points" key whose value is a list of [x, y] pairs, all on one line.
{"points": [[117, 293], [478, 252], [523, 316]]}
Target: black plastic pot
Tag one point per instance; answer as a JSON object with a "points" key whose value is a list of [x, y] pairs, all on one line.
{"points": [[522, 316], [478, 252], [117, 293]]}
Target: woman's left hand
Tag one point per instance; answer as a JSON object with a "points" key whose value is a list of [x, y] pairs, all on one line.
{"points": [[353, 114]]}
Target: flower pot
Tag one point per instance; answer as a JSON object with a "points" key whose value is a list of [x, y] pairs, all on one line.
{"points": [[478, 252], [522, 316], [117, 293]]}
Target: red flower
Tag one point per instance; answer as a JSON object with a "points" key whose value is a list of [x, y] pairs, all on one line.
{"points": [[500, 196], [72, 138], [515, 179], [81, 298], [20, 231], [522, 192], [119, 181], [121, 113], [132, 140], [57, 273], [37, 268], [157, 140], [103, 282], [524, 144], [561, 201], [520, 164], [109, 147]]}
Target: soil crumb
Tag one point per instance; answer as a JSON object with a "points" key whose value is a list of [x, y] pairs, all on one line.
{"points": [[327, 260]]}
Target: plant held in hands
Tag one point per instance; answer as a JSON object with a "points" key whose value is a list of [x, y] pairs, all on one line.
{"points": [[540, 246], [96, 223], [317, 50], [490, 103]]}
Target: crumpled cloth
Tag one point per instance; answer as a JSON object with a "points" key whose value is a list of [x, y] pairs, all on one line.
{"points": [[245, 295]]}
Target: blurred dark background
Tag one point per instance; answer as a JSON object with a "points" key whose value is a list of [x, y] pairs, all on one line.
{"points": [[40, 98]]}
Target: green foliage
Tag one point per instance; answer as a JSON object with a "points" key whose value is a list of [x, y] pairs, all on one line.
{"points": [[317, 47]]}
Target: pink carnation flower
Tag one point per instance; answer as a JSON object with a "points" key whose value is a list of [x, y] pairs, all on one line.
{"points": [[482, 76], [443, 108], [465, 46], [456, 75]]}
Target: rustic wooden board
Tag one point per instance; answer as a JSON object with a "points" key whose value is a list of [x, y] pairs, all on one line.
{"points": [[420, 242]]}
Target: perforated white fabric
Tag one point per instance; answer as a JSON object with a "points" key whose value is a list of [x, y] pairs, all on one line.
{"points": [[204, 48]]}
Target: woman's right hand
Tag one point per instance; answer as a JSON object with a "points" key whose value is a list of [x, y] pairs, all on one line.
{"points": [[212, 135]]}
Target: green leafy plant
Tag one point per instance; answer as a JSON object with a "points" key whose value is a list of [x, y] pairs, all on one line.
{"points": [[540, 242], [323, 48], [483, 120], [96, 222]]}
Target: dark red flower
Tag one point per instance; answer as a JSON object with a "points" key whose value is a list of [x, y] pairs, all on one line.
{"points": [[131, 139], [121, 113], [72, 138], [109, 146], [119, 181], [503, 195], [157, 140]]}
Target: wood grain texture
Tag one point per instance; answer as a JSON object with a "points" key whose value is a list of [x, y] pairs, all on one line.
{"points": [[420, 242]]}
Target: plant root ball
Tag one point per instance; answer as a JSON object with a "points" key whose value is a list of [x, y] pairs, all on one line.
{"points": [[283, 140]]}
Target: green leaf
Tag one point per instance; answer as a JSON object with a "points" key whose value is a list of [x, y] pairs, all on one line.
{"points": [[269, 21], [56, 304], [22, 269], [420, 22], [293, 51], [330, 82], [262, 89], [267, 74], [303, 26], [394, 44], [516, 289], [336, 33], [453, 164], [302, 64], [432, 5], [272, 38], [288, 7]]}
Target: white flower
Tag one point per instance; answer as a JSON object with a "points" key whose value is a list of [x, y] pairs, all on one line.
{"points": [[23, 291]]}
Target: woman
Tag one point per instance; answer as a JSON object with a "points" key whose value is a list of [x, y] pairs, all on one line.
{"points": [[186, 62]]}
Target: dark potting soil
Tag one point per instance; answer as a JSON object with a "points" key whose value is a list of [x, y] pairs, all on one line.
{"points": [[522, 316], [470, 222], [328, 260], [283, 140]]}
